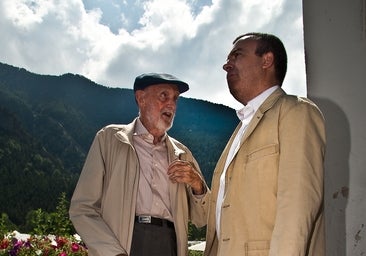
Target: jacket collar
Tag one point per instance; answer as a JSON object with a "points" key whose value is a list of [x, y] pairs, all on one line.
{"points": [[271, 100], [126, 132], [266, 105]]}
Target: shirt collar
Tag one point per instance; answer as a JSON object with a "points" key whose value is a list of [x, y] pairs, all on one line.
{"points": [[255, 103], [142, 132]]}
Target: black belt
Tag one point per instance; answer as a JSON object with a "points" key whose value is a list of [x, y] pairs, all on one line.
{"points": [[154, 221]]}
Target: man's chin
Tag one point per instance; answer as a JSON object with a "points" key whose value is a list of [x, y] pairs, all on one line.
{"points": [[165, 125], [170, 125], [168, 121]]}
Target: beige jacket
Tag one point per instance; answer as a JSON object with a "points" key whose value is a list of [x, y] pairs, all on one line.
{"points": [[274, 185], [103, 205]]}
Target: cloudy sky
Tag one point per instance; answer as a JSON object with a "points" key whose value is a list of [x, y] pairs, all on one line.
{"points": [[113, 41]]}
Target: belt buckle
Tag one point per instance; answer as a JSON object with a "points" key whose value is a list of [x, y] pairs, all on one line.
{"points": [[144, 219]]}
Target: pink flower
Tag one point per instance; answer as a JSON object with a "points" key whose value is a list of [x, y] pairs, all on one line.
{"points": [[63, 254], [4, 243], [61, 241], [74, 247]]}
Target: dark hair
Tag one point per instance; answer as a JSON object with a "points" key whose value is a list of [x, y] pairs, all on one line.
{"points": [[270, 43]]}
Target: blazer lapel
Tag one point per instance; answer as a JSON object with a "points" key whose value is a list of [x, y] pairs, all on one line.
{"points": [[222, 160], [266, 105]]}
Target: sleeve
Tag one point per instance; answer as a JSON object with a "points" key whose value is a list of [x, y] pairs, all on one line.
{"points": [[198, 205], [300, 179], [85, 206]]}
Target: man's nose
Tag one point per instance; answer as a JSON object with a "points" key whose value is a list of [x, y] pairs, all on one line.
{"points": [[172, 103], [227, 66]]}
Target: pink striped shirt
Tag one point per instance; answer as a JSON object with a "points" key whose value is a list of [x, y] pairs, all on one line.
{"points": [[153, 193]]}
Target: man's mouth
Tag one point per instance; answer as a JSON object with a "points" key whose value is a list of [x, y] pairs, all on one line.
{"points": [[230, 74], [168, 114]]}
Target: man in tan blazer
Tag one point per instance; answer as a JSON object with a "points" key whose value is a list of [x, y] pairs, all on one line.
{"points": [[139, 187], [267, 187]]}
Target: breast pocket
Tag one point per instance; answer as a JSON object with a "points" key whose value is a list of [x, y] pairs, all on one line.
{"points": [[263, 159], [264, 151]]}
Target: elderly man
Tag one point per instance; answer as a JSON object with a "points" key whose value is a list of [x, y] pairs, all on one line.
{"points": [[139, 187]]}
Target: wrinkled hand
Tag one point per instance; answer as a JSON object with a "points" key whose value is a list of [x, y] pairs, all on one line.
{"points": [[181, 171]]}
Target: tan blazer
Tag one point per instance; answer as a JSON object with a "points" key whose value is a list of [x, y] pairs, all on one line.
{"points": [[103, 204], [273, 201]]}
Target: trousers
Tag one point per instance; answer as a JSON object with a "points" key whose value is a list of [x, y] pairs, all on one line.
{"points": [[153, 240]]}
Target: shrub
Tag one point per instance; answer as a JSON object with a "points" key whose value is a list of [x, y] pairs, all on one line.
{"points": [[5, 224], [43, 223], [195, 253]]}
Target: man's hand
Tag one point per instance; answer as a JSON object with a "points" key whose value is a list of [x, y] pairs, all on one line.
{"points": [[181, 171]]}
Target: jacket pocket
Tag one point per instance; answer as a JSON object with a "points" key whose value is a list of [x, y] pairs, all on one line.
{"points": [[264, 151], [257, 248]]}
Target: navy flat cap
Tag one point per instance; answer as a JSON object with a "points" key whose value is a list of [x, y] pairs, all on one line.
{"points": [[145, 80]]}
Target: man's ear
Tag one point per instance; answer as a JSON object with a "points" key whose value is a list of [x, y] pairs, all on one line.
{"points": [[139, 95], [268, 60]]}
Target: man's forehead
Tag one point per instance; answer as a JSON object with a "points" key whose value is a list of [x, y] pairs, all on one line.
{"points": [[244, 45]]}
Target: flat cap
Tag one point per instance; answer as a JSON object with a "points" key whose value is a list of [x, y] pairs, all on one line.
{"points": [[145, 80]]}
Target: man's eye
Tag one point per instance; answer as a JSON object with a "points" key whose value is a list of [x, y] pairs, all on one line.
{"points": [[233, 55], [163, 96]]}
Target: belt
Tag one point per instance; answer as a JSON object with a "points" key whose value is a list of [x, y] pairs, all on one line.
{"points": [[154, 221]]}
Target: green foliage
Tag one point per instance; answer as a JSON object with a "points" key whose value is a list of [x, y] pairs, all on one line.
{"points": [[5, 224], [40, 222], [195, 253], [196, 234], [30, 178], [62, 223]]}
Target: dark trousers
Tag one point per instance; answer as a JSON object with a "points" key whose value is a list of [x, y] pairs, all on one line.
{"points": [[153, 240]]}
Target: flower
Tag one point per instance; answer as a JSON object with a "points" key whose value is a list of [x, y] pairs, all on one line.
{"points": [[15, 245], [75, 247], [4, 244]]}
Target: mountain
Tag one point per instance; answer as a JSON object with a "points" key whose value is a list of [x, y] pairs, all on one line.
{"points": [[47, 124]]}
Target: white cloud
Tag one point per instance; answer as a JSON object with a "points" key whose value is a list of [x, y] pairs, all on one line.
{"points": [[111, 42], [25, 14]]}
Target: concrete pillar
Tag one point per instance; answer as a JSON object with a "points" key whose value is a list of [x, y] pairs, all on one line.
{"points": [[335, 54]]}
